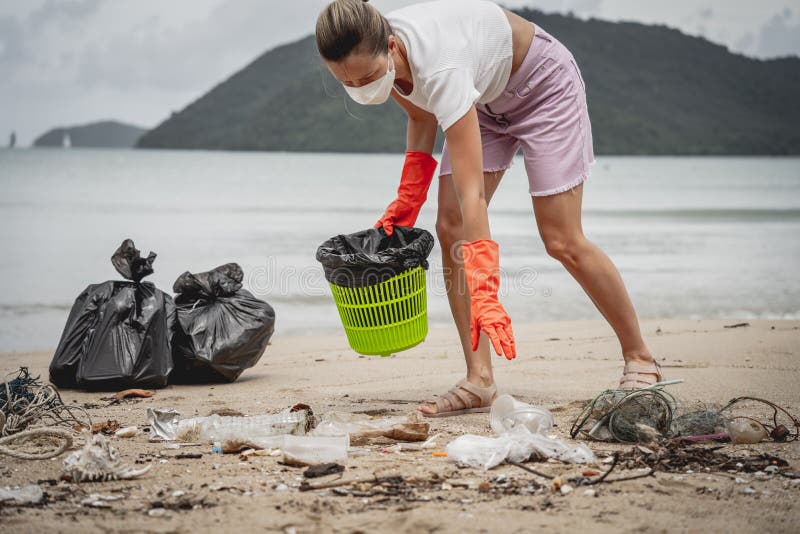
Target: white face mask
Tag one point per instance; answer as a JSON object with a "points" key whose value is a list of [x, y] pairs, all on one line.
{"points": [[375, 92]]}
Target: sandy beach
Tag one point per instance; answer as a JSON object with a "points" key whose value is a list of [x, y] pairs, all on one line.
{"points": [[560, 366]]}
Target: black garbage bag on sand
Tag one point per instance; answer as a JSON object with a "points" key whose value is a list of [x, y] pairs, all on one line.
{"points": [[222, 328], [370, 257], [119, 333]]}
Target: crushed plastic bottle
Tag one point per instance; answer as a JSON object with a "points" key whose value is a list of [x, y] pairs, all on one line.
{"points": [[362, 429], [163, 423], [341, 424], [30, 494], [264, 431], [508, 413], [257, 429]]}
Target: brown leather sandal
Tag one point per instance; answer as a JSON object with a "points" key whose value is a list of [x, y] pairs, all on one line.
{"points": [[486, 396], [638, 375]]}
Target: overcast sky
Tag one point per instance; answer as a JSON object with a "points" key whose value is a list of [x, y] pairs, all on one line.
{"points": [[66, 62]]}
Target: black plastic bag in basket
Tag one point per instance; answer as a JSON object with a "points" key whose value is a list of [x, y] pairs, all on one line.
{"points": [[222, 328], [370, 257], [119, 333]]}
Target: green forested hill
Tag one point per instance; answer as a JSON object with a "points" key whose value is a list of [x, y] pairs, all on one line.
{"points": [[651, 90], [102, 134]]}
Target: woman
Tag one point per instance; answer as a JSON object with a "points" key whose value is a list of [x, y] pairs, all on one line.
{"points": [[493, 82]]}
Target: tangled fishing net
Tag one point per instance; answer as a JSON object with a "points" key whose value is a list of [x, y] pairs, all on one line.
{"points": [[654, 414], [33, 416]]}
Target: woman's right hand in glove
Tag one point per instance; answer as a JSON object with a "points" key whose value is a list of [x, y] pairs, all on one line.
{"points": [[482, 270]]}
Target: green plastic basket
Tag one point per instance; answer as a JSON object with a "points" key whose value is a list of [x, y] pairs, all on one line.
{"points": [[385, 318]]}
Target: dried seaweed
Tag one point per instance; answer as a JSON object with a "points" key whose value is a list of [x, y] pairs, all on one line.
{"points": [[675, 457]]}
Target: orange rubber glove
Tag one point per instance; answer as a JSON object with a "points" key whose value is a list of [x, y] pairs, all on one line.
{"points": [[482, 269], [415, 181]]}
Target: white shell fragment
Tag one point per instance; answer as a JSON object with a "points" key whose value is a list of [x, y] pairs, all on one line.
{"points": [[98, 461], [127, 432]]}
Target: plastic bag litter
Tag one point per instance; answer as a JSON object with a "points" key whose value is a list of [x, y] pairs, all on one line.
{"points": [[370, 257], [222, 328], [529, 445], [518, 445], [479, 451], [119, 333], [516, 442]]}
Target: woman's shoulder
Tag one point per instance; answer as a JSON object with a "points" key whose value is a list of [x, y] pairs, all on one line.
{"points": [[423, 11], [441, 34]]}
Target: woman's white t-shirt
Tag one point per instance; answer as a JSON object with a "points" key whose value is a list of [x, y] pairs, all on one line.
{"points": [[459, 51]]}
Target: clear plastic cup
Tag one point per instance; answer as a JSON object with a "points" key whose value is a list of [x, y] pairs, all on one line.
{"points": [[507, 413]]}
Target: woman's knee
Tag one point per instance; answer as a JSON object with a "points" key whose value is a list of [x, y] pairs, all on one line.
{"points": [[449, 225], [564, 247]]}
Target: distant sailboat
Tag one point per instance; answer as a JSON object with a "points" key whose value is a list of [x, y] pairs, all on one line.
{"points": [[66, 142]]}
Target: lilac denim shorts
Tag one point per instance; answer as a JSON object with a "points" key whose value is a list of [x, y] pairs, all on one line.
{"points": [[543, 110]]}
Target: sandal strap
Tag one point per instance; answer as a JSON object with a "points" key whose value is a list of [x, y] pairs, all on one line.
{"points": [[630, 381], [484, 394], [452, 396], [643, 368], [459, 392], [439, 402], [636, 373], [462, 395]]}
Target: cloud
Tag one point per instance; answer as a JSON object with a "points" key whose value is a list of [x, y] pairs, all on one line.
{"points": [[779, 36], [21, 36], [584, 8], [134, 61], [12, 48], [62, 11], [198, 53], [746, 43], [65, 61]]}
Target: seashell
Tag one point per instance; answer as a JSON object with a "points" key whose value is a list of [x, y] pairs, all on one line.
{"points": [[98, 461]]}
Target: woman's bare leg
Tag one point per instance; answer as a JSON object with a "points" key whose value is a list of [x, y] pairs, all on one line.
{"points": [[449, 230], [559, 220]]}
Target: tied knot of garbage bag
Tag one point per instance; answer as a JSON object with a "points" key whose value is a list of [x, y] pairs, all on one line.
{"points": [[223, 281], [128, 262], [370, 257]]}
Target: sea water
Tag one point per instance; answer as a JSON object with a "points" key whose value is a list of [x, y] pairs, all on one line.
{"points": [[698, 237]]}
